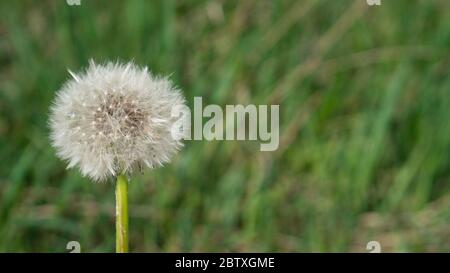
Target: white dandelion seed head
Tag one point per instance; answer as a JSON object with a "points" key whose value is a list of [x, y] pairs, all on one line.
{"points": [[114, 118]]}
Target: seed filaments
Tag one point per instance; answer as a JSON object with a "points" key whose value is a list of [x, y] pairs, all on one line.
{"points": [[117, 117], [114, 118]]}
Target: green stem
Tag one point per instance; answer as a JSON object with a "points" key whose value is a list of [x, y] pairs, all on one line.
{"points": [[121, 214]]}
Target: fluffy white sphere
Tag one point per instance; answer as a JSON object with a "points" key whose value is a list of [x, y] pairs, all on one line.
{"points": [[114, 118]]}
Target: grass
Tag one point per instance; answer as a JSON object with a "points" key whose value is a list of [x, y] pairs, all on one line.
{"points": [[364, 96]]}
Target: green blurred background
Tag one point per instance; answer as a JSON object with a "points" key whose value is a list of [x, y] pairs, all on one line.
{"points": [[364, 96]]}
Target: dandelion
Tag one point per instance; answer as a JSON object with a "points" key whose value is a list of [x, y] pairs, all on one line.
{"points": [[113, 119]]}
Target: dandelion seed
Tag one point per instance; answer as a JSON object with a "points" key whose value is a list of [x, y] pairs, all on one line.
{"points": [[129, 101]]}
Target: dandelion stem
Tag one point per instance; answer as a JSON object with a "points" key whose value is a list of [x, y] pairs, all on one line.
{"points": [[122, 214]]}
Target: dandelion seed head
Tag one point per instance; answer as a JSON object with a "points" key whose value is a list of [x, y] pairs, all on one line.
{"points": [[103, 120]]}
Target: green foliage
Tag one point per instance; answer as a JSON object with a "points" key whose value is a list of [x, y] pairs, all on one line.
{"points": [[364, 98]]}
